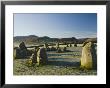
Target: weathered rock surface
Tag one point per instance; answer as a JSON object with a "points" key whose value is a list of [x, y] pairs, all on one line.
{"points": [[57, 45], [21, 51], [89, 59], [41, 56], [34, 55]]}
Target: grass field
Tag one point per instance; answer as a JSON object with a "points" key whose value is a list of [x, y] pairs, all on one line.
{"points": [[66, 63]]}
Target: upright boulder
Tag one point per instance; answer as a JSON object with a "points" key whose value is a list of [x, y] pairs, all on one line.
{"points": [[88, 59], [34, 55], [57, 45], [22, 52], [70, 45], [75, 45], [22, 46], [67, 45], [42, 56]]}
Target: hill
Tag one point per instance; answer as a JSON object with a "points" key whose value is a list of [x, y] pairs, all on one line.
{"points": [[32, 39]]}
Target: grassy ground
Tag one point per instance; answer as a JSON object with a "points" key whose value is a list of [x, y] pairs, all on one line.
{"points": [[20, 68], [67, 63]]}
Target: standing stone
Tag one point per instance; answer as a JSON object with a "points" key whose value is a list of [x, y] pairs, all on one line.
{"points": [[64, 49], [22, 46], [57, 45], [67, 45], [41, 56], [75, 45], [32, 59], [88, 56], [70, 45], [22, 52], [34, 56]]}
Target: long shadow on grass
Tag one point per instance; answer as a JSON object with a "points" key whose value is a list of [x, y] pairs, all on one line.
{"points": [[64, 63]]}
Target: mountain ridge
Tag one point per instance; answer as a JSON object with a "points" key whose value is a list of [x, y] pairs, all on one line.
{"points": [[46, 39]]}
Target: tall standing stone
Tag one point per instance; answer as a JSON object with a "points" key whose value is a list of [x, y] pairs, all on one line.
{"points": [[88, 59], [41, 56]]}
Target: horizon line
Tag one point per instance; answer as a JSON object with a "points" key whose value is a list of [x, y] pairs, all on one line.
{"points": [[53, 37]]}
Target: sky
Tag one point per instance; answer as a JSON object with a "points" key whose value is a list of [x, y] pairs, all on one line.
{"points": [[56, 25]]}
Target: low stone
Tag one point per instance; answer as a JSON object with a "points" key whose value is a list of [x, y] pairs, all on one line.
{"points": [[52, 49], [59, 50], [22, 46], [75, 45], [64, 49], [67, 45], [17, 53]]}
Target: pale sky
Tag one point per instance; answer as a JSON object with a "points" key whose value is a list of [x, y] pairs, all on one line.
{"points": [[56, 25]]}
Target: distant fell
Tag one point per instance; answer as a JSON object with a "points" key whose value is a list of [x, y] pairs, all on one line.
{"points": [[33, 39]]}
